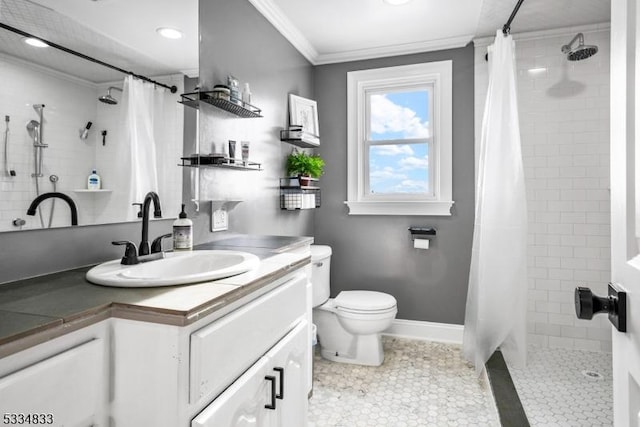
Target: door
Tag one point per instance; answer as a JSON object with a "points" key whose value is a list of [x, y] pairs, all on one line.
{"points": [[625, 205], [244, 403], [289, 359]]}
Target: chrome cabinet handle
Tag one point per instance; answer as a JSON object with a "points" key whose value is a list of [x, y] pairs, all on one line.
{"points": [[318, 264]]}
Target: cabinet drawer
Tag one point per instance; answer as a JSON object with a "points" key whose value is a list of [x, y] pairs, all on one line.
{"points": [[67, 386], [222, 351]]}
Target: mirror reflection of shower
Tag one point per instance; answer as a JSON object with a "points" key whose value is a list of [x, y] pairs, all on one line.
{"points": [[35, 130], [108, 99]]}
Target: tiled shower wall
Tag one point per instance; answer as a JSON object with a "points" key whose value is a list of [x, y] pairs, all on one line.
{"points": [[564, 125]]}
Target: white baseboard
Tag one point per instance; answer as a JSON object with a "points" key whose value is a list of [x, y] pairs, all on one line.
{"points": [[430, 331]]}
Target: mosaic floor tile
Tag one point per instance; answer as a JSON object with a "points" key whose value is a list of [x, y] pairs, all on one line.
{"points": [[420, 383], [560, 387]]}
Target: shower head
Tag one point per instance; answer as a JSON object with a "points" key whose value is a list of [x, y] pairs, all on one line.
{"points": [[108, 99], [581, 51], [33, 128], [38, 107]]}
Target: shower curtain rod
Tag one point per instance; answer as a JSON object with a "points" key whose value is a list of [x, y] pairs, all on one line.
{"points": [[506, 29], [173, 89]]}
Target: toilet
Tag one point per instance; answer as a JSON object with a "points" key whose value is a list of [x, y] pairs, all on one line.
{"points": [[350, 324]]}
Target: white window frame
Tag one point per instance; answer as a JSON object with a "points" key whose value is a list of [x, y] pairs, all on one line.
{"points": [[359, 85]]}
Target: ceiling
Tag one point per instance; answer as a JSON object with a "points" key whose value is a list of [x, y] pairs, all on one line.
{"points": [[336, 30], [122, 32], [119, 32]]}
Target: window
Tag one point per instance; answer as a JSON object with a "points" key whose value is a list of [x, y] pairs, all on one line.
{"points": [[399, 140]]}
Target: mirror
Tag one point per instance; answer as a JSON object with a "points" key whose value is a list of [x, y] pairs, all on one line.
{"points": [[64, 116]]}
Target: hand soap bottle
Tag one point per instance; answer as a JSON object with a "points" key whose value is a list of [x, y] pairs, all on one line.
{"points": [[93, 182], [182, 232]]}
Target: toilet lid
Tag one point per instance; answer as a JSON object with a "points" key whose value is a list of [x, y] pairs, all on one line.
{"points": [[364, 300]]}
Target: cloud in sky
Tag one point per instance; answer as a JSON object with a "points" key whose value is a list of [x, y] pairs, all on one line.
{"points": [[389, 117], [409, 163], [412, 186], [392, 150], [387, 173]]}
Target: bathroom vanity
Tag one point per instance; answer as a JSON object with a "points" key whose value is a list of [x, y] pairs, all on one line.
{"points": [[209, 354]]}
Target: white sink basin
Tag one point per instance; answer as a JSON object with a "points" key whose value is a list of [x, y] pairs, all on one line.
{"points": [[177, 268]]}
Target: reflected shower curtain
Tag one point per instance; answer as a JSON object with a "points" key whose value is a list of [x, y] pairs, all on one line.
{"points": [[141, 100], [496, 301]]}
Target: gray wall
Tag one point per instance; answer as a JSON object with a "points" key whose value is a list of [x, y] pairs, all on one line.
{"points": [[236, 39], [375, 252]]}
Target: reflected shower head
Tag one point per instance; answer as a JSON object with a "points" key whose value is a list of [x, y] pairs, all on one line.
{"points": [[581, 51], [108, 99]]}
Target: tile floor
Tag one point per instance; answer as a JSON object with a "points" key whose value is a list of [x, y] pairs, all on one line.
{"points": [[421, 383], [554, 391]]}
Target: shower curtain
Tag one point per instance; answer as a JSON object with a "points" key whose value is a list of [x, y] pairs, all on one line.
{"points": [[496, 301], [142, 99]]}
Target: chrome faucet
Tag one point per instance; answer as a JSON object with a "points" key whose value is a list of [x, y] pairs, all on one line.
{"points": [[151, 196], [44, 196]]}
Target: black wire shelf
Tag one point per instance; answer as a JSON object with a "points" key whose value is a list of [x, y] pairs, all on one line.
{"points": [[233, 106]]}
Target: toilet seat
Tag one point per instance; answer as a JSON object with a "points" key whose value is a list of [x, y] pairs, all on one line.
{"points": [[360, 302]]}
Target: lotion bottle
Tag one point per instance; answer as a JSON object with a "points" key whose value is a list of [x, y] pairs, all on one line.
{"points": [[93, 182], [182, 232]]}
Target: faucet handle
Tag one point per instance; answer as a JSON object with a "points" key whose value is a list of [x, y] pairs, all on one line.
{"points": [[130, 253], [139, 208], [156, 245]]}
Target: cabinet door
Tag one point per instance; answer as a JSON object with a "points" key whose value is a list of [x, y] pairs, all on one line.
{"points": [[243, 403], [62, 390], [288, 361]]}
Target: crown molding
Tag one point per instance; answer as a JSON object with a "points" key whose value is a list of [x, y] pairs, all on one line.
{"points": [[279, 20], [394, 50]]}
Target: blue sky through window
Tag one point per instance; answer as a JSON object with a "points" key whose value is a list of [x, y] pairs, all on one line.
{"points": [[398, 167]]}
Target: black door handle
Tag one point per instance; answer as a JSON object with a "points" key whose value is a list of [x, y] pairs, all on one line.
{"points": [[281, 372], [272, 379], [614, 304]]}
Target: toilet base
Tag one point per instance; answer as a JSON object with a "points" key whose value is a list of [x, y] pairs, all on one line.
{"points": [[368, 351]]}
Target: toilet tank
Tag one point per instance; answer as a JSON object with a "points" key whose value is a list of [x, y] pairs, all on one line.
{"points": [[320, 267]]}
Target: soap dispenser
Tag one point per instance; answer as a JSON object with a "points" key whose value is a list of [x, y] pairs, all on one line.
{"points": [[94, 181], [182, 232]]}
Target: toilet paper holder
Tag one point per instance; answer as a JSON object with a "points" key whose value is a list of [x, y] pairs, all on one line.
{"points": [[422, 232]]}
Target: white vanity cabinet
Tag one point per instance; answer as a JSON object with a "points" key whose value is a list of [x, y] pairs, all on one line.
{"points": [[272, 393], [61, 383], [212, 372]]}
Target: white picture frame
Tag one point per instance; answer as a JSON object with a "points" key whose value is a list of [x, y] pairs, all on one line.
{"points": [[304, 112]]}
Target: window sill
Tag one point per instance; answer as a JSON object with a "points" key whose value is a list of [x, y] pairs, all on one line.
{"points": [[434, 208]]}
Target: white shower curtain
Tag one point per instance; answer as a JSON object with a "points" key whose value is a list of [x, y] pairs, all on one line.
{"points": [[496, 301], [142, 100]]}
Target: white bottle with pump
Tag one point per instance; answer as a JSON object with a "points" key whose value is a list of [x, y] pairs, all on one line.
{"points": [[94, 182], [182, 232]]}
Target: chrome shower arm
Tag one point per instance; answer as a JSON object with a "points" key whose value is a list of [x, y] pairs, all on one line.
{"points": [[567, 47]]}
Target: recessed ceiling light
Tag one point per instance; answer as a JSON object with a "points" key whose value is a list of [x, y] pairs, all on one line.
{"points": [[32, 41], [396, 2], [170, 33]]}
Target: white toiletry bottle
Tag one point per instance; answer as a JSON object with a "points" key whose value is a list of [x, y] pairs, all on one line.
{"points": [[94, 182], [246, 94], [182, 232]]}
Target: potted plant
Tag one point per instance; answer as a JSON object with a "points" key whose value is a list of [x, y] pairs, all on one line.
{"points": [[304, 166]]}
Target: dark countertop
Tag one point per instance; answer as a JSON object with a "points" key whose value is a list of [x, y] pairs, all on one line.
{"points": [[47, 305]]}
